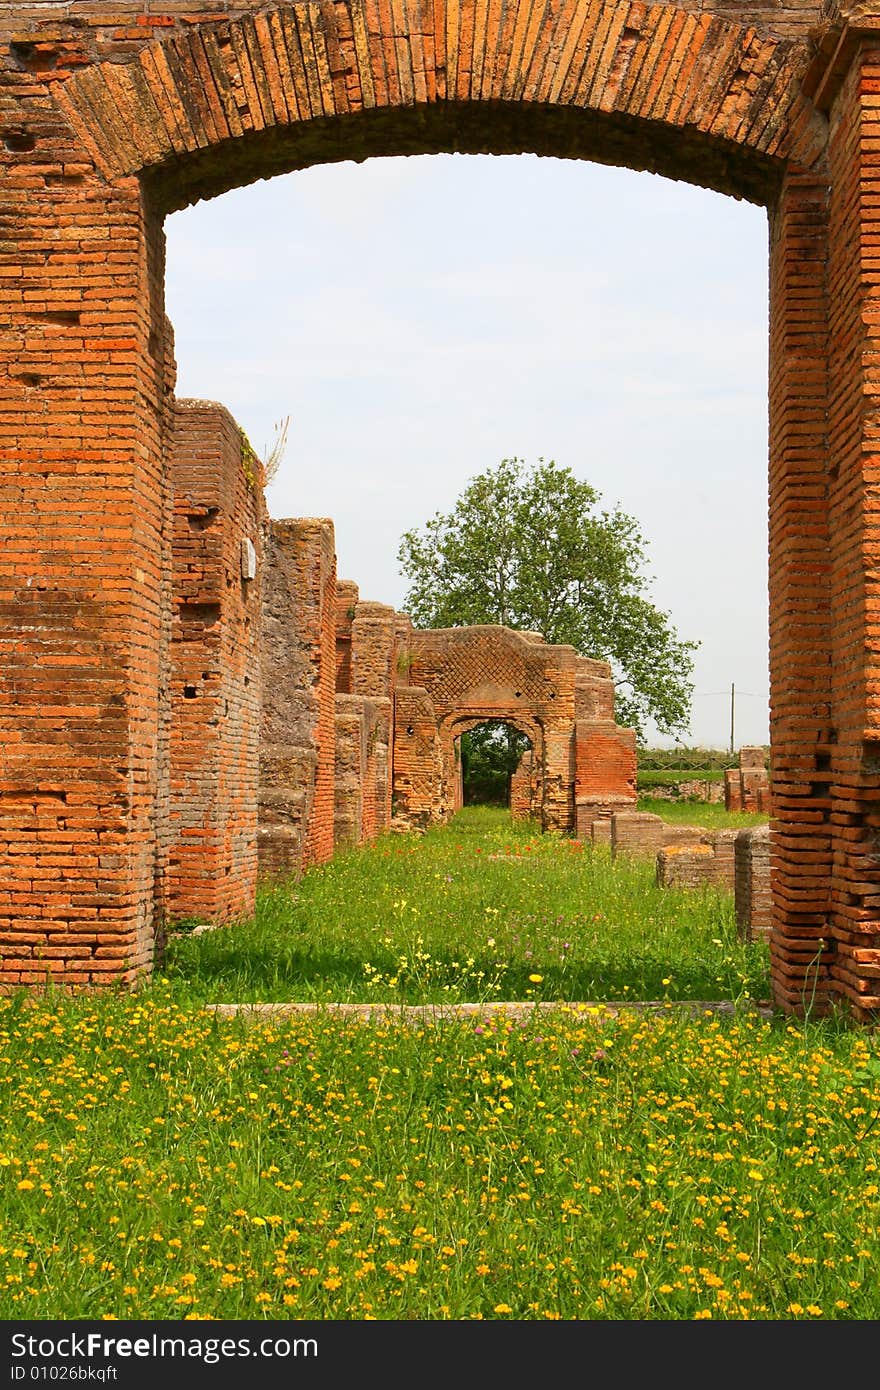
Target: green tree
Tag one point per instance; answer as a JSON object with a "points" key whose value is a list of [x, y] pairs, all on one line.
{"points": [[529, 547], [490, 755]]}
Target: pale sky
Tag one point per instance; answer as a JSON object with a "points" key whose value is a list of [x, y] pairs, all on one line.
{"points": [[421, 318]]}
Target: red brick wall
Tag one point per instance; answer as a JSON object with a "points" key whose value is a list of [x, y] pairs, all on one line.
{"points": [[697, 866], [522, 787], [605, 771], [298, 736], [95, 153], [754, 909], [848, 765], [346, 603], [363, 729], [417, 776], [215, 676], [477, 673], [84, 566]]}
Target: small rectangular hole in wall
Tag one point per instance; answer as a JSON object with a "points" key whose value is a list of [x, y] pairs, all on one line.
{"points": [[189, 692], [19, 141], [200, 521], [205, 613]]}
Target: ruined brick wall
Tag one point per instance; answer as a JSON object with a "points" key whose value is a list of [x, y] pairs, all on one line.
{"points": [[351, 757], [523, 790], [640, 833], [747, 787], [373, 646], [417, 764], [215, 675], [477, 673], [346, 603], [687, 789], [752, 882], [363, 728], [604, 753], [374, 674], [114, 114], [697, 866], [298, 736]]}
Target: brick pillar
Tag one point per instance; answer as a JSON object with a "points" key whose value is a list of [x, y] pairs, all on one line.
{"points": [[346, 604], [350, 760], [84, 513], [752, 882], [298, 736], [522, 787], [852, 761], [800, 618], [374, 642], [215, 666]]}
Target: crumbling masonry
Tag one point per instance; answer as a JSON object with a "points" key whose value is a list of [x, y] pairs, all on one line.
{"points": [[114, 113]]}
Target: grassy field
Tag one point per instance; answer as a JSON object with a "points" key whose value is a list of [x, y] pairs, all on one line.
{"points": [[160, 1161], [706, 813], [485, 909]]}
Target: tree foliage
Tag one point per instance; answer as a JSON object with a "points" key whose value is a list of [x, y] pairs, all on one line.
{"points": [[490, 755], [531, 548]]}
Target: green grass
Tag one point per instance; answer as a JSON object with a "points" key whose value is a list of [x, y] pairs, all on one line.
{"points": [[705, 813], [481, 909], [160, 1161]]}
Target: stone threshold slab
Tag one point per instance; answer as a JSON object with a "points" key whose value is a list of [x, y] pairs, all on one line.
{"points": [[515, 1009]]}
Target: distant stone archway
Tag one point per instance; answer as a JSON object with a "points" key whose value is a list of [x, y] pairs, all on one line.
{"points": [[531, 729], [110, 119], [457, 678]]}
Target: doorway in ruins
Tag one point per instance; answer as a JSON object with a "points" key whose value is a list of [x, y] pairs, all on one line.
{"points": [[150, 123], [497, 767]]}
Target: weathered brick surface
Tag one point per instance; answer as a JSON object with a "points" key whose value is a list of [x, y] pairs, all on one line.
{"points": [[113, 114], [524, 787], [640, 833], [473, 674], [298, 735], [747, 787], [215, 675], [417, 778], [752, 882], [363, 729], [346, 603], [688, 789], [696, 866], [605, 772]]}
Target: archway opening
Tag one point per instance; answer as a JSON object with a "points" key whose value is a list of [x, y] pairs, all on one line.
{"points": [[495, 757]]}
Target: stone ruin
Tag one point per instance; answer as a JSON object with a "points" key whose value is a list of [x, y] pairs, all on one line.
{"points": [[747, 786], [114, 114], [300, 717]]}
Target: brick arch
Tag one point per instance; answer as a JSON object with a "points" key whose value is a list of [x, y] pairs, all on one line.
{"points": [[221, 103], [452, 728], [103, 132]]}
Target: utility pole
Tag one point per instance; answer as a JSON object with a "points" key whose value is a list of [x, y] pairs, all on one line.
{"points": [[732, 692]]}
